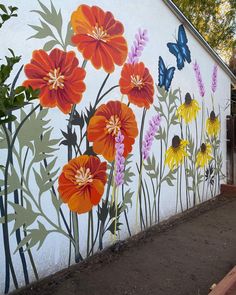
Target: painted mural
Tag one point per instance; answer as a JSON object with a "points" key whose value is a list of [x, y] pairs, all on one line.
{"points": [[105, 146]]}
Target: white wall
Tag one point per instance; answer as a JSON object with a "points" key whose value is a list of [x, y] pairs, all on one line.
{"points": [[162, 28]]}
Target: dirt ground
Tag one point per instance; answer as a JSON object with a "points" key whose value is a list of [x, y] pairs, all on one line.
{"points": [[183, 256]]}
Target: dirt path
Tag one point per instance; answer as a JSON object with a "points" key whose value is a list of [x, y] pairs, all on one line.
{"points": [[189, 254]]}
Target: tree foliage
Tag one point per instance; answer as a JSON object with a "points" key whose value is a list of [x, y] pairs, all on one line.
{"points": [[6, 13], [215, 20], [11, 96]]}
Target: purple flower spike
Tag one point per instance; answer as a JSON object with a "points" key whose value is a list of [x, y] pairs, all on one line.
{"points": [[119, 159], [214, 79], [154, 125], [138, 46], [199, 79]]}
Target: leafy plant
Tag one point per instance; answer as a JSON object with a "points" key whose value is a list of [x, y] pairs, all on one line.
{"points": [[7, 13], [51, 28], [12, 97]]}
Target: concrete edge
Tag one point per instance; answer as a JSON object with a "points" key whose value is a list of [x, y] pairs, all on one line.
{"points": [[227, 285]]}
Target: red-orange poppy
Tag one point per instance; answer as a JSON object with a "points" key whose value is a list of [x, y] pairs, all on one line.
{"points": [[107, 121], [58, 77], [137, 83], [99, 37], [81, 183]]}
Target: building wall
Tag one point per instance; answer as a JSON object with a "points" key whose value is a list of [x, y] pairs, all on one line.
{"points": [[44, 235]]}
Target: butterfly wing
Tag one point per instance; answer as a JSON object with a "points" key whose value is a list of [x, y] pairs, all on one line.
{"points": [[182, 37], [161, 72], [185, 52], [182, 44], [169, 77], [176, 50]]}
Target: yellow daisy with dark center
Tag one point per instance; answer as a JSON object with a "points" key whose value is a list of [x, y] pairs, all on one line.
{"points": [[213, 125], [188, 110], [176, 153], [204, 155]]}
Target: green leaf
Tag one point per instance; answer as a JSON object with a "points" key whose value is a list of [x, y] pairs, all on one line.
{"points": [[173, 98], [52, 17], [56, 202], [23, 216], [112, 228], [58, 22], [169, 182], [13, 181], [69, 34], [163, 93], [161, 134], [3, 8], [35, 236], [44, 8], [5, 17], [3, 141], [49, 45], [127, 200], [174, 120], [102, 212], [10, 217], [41, 32], [128, 176]]}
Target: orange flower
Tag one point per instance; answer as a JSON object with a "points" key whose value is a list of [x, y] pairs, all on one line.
{"points": [[107, 121], [138, 84], [58, 77], [81, 183], [99, 37]]}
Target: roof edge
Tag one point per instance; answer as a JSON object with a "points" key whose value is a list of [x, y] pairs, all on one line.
{"points": [[178, 13]]}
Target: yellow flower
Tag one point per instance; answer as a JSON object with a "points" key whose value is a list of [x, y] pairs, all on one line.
{"points": [[176, 152], [213, 125], [188, 110], [204, 155]]}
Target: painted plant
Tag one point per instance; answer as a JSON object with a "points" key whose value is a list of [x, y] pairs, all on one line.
{"points": [[107, 146]]}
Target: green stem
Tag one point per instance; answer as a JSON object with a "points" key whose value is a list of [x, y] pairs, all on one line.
{"points": [[92, 231], [203, 118], [149, 203], [75, 224], [125, 213], [180, 193], [24, 227], [137, 195], [177, 193], [88, 234], [27, 191], [116, 206], [102, 225]]}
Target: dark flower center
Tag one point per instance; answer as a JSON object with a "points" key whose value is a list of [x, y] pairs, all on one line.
{"points": [[188, 99], [203, 148], [176, 141], [212, 116]]}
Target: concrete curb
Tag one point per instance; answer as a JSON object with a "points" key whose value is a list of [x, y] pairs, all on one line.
{"points": [[227, 286]]}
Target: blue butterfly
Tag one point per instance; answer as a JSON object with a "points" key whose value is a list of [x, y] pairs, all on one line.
{"points": [[165, 75], [180, 49]]}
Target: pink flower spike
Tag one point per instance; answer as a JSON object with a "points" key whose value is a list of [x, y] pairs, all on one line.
{"points": [[154, 125], [119, 159], [214, 78], [138, 46], [199, 79]]}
